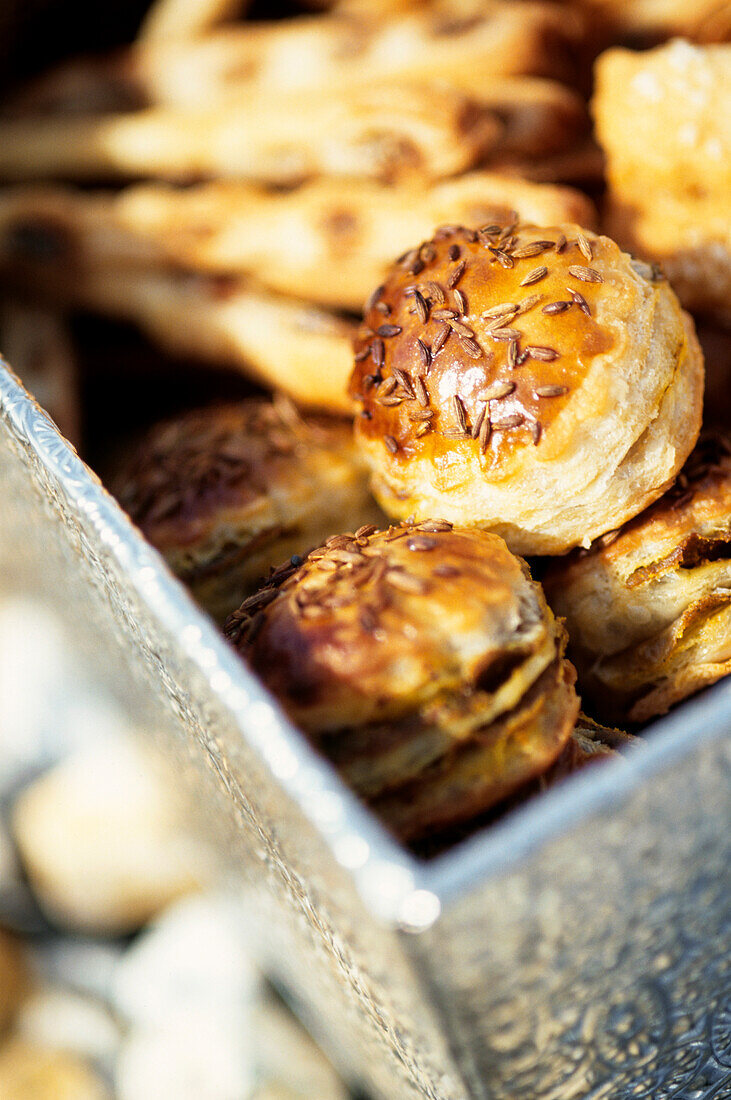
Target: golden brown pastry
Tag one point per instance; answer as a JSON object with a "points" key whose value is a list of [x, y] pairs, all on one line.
{"points": [[386, 132], [286, 344], [669, 173], [330, 241], [648, 609], [226, 492], [701, 20], [423, 661], [532, 381], [317, 54], [589, 743]]}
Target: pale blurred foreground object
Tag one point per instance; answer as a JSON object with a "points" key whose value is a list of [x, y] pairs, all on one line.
{"points": [[100, 839], [28, 1072], [199, 1025], [181, 1013], [61, 1019]]}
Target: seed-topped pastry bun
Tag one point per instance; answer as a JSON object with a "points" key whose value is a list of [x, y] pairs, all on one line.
{"points": [[535, 382], [648, 609], [226, 492], [423, 661]]}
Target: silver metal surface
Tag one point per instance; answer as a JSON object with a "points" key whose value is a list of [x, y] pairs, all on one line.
{"points": [[580, 949]]}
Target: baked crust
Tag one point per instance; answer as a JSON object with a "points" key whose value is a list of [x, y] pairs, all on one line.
{"points": [[266, 59], [590, 742], [330, 241], [669, 173], [423, 661], [226, 492], [649, 609], [648, 20], [541, 390]]}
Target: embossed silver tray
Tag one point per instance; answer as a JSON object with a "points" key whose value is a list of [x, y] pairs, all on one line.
{"points": [[578, 949]]}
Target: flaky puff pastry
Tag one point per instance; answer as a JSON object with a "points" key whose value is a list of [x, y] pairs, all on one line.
{"points": [[532, 381], [648, 610], [226, 492], [423, 661], [589, 744], [669, 171]]}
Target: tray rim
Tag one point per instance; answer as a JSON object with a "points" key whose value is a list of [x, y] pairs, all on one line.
{"points": [[398, 889]]}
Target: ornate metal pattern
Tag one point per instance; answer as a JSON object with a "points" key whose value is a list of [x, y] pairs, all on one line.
{"points": [[609, 953]]}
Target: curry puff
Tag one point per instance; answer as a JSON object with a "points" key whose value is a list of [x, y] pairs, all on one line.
{"points": [[228, 491], [648, 609], [423, 661]]}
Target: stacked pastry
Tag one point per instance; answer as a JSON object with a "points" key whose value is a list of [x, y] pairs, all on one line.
{"points": [[519, 383], [422, 659], [532, 381], [649, 608]]}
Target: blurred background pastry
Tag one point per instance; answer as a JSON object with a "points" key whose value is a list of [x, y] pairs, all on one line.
{"points": [[227, 492], [443, 111], [237, 276], [423, 661], [452, 43], [330, 241], [669, 173], [533, 381], [648, 608], [649, 21]]}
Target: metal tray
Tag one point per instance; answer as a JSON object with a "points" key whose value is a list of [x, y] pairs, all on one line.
{"points": [[578, 949]]}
